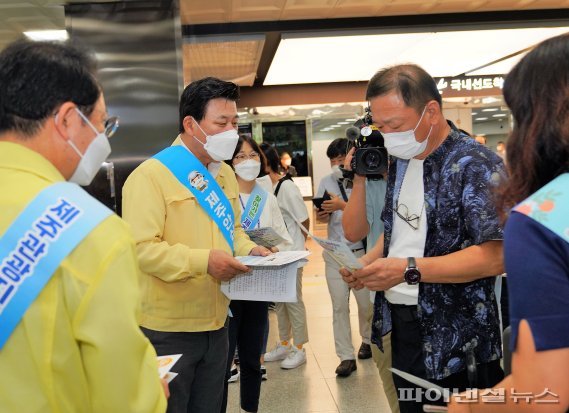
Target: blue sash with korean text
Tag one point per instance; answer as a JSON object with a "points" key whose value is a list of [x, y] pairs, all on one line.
{"points": [[193, 175], [550, 206], [254, 208], [34, 245]]}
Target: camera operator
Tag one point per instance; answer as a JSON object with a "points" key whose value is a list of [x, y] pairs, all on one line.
{"points": [[440, 303], [361, 219]]}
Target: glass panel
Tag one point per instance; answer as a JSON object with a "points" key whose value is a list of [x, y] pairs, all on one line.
{"points": [[289, 137]]}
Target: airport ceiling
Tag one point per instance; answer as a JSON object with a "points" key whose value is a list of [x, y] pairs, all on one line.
{"points": [[253, 42]]}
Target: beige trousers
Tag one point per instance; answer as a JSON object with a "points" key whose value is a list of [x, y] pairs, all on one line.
{"points": [[383, 363], [340, 295], [291, 317]]}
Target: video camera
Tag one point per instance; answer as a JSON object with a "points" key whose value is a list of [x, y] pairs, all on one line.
{"points": [[370, 158]]}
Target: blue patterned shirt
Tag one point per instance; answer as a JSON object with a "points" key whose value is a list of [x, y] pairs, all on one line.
{"points": [[459, 177]]}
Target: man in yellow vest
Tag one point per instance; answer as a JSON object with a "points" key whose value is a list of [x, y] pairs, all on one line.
{"points": [[69, 339], [183, 207]]}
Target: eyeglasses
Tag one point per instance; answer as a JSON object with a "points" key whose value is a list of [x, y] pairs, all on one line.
{"points": [[413, 220], [243, 156], [111, 124]]}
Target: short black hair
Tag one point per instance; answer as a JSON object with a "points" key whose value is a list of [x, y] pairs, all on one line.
{"points": [[273, 160], [197, 95], [338, 147], [412, 82], [37, 77], [256, 148]]}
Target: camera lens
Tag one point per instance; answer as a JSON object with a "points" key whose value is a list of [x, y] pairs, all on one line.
{"points": [[371, 160]]}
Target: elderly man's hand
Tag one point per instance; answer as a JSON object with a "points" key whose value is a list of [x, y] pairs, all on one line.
{"points": [[382, 274], [349, 279]]}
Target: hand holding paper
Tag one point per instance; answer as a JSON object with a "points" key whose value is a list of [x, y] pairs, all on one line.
{"points": [[349, 279], [165, 363], [382, 274], [340, 252], [273, 278]]}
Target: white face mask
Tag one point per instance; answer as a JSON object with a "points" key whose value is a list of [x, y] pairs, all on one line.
{"points": [[97, 152], [404, 145], [221, 145], [248, 170], [337, 172]]}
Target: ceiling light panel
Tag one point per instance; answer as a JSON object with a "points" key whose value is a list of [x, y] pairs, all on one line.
{"points": [[501, 67], [334, 58], [47, 35], [231, 58], [305, 58]]}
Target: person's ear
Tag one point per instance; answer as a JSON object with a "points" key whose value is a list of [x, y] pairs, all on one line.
{"points": [[433, 111], [65, 119], [190, 125]]}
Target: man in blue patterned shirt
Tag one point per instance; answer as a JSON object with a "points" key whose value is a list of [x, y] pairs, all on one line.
{"points": [[436, 265]]}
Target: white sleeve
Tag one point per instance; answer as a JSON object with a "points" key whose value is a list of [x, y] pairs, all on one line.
{"points": [[278, 224], [321, 189], [294, 203]]}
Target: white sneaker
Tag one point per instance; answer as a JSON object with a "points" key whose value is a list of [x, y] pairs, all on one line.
{"points": [[264, 373], [280, 352], [294, 359], [234, 374]]}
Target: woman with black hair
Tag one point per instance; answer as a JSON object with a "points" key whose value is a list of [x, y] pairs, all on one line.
{"points": [[248, 322], [291, 316], [536, 237]]}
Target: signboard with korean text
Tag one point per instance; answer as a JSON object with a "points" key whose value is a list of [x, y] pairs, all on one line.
{"points": [[470, 85]]}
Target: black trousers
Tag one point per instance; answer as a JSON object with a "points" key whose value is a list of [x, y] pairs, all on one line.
{"points": [[246, 331], [407, 355], [198, 388]]}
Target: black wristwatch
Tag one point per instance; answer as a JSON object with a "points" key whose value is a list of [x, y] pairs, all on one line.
{"points": [[412, 275]]}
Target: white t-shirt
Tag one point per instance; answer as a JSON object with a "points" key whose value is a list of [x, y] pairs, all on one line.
{"points": [[271, 217], [335, 229], [406, 241], [292, 205]]}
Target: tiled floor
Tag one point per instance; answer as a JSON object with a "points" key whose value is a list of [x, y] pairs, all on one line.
{"points": [[314, 386]]}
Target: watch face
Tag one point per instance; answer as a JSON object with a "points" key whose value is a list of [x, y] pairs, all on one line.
{"points": [[412, 276]]}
